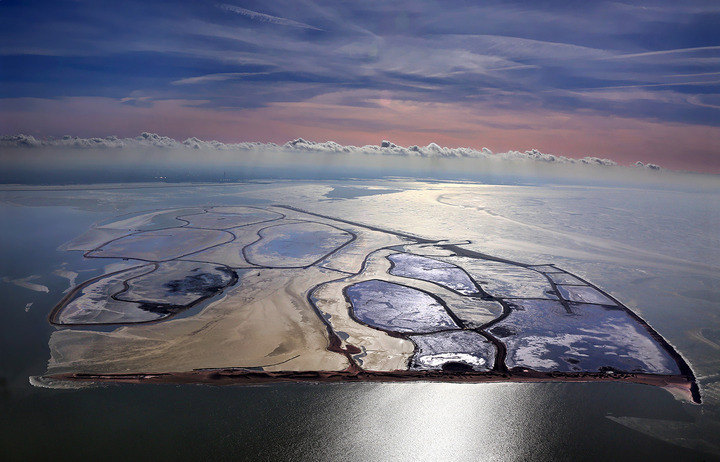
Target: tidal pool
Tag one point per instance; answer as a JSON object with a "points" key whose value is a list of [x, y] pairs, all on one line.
{"points": [[564, 278], [506, 281], [397, 308], [428, 269], [295, 244], [177, 283], [453, 350], [542, 335], [229, 217], [161, 245], [147, 221], [584, 294], [94, 304]]}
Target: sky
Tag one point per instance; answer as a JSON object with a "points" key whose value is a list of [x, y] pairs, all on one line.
{"points": [[624, 81]]}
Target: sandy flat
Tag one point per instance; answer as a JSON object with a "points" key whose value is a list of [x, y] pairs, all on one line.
{"points": [[264, 321]]}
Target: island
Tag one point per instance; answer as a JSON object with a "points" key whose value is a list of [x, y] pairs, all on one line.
{"points": [[249, 294]]}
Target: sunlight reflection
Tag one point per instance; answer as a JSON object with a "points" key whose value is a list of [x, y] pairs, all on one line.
{"points": [[439, 421]]}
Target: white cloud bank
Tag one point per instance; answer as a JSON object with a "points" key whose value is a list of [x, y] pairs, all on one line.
{"points": [[386, 148]]}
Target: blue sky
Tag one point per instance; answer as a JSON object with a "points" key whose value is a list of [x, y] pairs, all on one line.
{"points": [[613, 79]]}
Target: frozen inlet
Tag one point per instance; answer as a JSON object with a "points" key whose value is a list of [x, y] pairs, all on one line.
{"points": [[564, 278], [93, 302], [504, 280], [142, 294], [229, 217], [453, 350], [584, 294], [428, 269], [396, 308], [295, 244], [149, 221], [542, 335], [177, 283], [161, 245]]}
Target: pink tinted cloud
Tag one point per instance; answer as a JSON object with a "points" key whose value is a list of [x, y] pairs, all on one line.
{"points": [[673, 145]]}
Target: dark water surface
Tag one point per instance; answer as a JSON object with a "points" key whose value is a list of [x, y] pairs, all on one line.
{"points": [[340, 422], [370, 421]]}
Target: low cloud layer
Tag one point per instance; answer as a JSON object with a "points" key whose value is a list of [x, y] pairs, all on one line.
{"points": [[386, 148]]}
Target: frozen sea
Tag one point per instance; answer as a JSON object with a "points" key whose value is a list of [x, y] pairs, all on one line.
{"points": [[655, 249]]}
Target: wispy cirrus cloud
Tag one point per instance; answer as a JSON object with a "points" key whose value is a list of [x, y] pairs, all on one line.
{"points": [[674, 51], [262, 17], [664, 84], [220, 77], [657, 67]]}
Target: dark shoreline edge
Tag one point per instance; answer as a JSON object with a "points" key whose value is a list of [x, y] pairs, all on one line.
{"points": [[239, 376]]}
